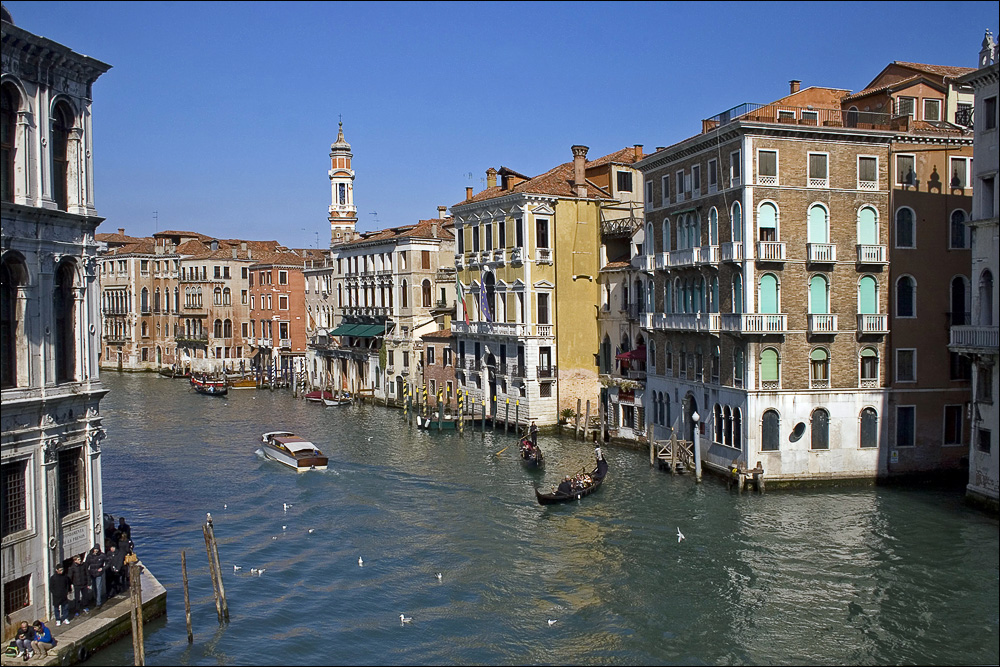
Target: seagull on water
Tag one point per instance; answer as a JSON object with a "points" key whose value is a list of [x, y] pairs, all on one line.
{"points": [[236, 568], [253, 570], [552, 621], [439, 576], [311, 530], [285, 506], [274, 537], [680, 535], [404, 619], [361, 563], [284, 527], [261, 571], [225, 506]]}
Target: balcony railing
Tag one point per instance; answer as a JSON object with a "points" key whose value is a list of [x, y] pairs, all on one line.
{"points": [[871, 254], [662, 261], [644, 262], [636, 375], [769, 113], [500, 256], [819, 182], [822, 323], [459, 261], [709, 254], [474, 260], [543, 255], [191, 338], [975, 337], [754, 323], [516, 256], [771, 251], [877, 323], [543, 330], [285, 342], [731, 252], [684, 257], [821, 252], [686, 321], [546, 372], [490, 328], [516, 371], [867, 185]]}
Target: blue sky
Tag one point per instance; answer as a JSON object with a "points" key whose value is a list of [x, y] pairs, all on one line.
{"points": [[220, 116]]}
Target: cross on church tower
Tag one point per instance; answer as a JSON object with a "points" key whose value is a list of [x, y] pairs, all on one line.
{"points": [[343, 213]]}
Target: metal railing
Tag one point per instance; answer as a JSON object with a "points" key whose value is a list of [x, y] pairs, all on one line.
{"points": [[547, 372], [769, 113]]}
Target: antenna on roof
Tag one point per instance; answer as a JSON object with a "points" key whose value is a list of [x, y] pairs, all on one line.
{"points": [[156, 221], [375, 213]]}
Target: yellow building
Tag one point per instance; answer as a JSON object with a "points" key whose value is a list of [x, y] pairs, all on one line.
{"points": [[528, 254]]}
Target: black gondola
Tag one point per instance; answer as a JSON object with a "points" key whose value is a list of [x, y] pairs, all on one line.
{"points": [[569, 490], [531, 454]]}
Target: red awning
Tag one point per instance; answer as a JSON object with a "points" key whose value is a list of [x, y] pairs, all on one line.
{"points": [[638, 354]]}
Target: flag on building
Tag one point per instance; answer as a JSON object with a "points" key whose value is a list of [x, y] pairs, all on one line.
{"points": [[461, 297], [484, 304]]}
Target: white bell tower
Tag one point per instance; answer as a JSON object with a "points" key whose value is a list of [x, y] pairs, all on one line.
{"points": [[343, 212]]}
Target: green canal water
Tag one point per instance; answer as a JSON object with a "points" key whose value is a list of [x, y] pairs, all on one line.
{"points": [[851, 575]]}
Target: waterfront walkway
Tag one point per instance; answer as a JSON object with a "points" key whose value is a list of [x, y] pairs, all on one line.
{"points": [[91, 631]]}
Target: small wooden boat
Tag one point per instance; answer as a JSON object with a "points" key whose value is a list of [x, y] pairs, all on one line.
{"points": [[292, 451], [574, 488], [531, 455], [318, 396], [210, 387], [245, 383], [333, 402], [170, 372]]}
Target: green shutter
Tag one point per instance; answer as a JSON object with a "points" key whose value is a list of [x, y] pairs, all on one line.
{"points": [[768, 294], [867, 301], [818, 230], [818, 303], [867, 227], [769, 366]]}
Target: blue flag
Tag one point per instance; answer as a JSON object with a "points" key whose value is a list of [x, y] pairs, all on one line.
{"points": [[484, 305]]}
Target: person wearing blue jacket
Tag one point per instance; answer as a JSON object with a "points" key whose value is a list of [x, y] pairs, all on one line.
{"points": [[42, 642]]}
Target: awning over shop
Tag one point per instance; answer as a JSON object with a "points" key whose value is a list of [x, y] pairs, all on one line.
{"points": [[368, 330], [638, 354], [343, 330]]}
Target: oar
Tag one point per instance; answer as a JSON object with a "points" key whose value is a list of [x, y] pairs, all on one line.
{"points": [[503, 450]]}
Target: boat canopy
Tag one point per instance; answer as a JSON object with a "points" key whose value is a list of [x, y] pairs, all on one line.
{"points": [[295, 444]]}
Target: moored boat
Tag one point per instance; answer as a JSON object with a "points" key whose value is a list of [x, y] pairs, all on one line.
{"points": [[319, 396], [575, 487], [244, 383], [333, 402], [210, 387], [292, 451]]}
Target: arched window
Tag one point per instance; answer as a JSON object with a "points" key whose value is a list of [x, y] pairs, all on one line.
{"points": [[820, 429], [869, 428], [737, 222], [227, 329], [959, 237], [718, 425], [906, 297], [868, 226], [738, 368], [490, 282], [665, 241], [668, 359], [62, 122], [144, 300], [869, 368], [819, 369], [606, 355], [404, 300], [716, 363], [769, 369], [768, 294], [12, 277], [867, 296], [425, 293], [227, 297], [651, 355], [156, 300], [713, 298], [144, 329], [770, 431], [819, 224], [649, 240], [986, 298], [767, 222], [819, 297], [713, 226], [906, 236], [737, 292], [217, 300], [218, 329], [668, 297], [10, 102], [852, 117]]}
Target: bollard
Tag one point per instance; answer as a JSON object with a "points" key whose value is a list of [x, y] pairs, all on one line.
{"points": [[135, 596], [506, 417], [187, 599], [218, 570], [211, 570], [586, 420]]}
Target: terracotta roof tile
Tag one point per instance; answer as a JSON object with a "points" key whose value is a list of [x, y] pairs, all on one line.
{"points": [[423, 229], [442, 334], [939, 70]]}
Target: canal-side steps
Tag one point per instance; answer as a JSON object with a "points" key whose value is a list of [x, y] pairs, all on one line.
{"points": [[93, 631]]}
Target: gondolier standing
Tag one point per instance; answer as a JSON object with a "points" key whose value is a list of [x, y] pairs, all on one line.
{"points": [[533, 434]]}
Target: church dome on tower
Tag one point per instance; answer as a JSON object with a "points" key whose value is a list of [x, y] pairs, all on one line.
{"points": [[340, 144]]}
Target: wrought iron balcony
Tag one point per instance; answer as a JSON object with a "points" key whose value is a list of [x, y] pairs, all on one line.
{"points": [[547, 372]]}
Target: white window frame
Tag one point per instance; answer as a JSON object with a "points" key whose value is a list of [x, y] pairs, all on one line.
{"points": [[770, 180], [679, 185], [867, 185], [898, 180], [932, 101], [898, 365], [968, 170], [735, 175], [810, 115], [649, 193], [899, 105], [665, 190], [817, 182], [696, 180]]}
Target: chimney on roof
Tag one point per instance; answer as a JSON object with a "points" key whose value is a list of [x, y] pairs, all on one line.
{"points": [[234, 253], [793, 86], [468, 192], [442, 212], [249, 253], [491, 177], [243, 245], [434, 229], [121, 230], [580, 170], [638, 152]]}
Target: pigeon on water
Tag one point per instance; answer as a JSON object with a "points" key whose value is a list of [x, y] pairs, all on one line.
{"points": [[680, 535], [552, 622], [361, 563], [404, 619]]}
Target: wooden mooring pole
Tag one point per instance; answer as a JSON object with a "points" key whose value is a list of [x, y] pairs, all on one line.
{"points": [[211, 570], [576, 421], [218, 570], [135, 597], [187, 598]]}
